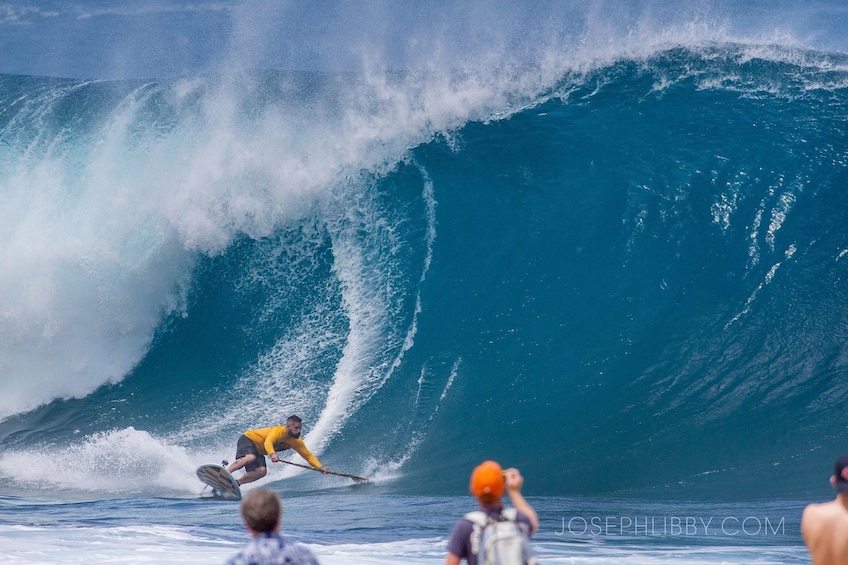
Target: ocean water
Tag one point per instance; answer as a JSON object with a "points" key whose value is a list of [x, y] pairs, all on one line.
{"points": [[610, 252], [369, 525]]}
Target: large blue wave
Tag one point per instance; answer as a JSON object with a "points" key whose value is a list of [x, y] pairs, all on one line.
{"points": [[626, 279]]}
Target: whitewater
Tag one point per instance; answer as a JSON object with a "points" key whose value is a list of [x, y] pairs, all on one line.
{"points": [[605, 246]]}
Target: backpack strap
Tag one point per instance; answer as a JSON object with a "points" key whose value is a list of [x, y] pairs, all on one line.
{"points": [[478, 518], [509, 515]]}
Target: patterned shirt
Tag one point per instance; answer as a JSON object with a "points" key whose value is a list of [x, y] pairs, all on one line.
{"points": [[271, 549]]}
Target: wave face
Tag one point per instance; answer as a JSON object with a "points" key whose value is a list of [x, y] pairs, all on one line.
{"points": [[638, 265]]}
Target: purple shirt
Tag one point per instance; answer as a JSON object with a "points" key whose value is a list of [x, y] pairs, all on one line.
{"points": [[465, 539]]}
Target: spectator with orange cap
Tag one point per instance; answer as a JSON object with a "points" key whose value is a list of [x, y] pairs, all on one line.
{"points": [[488, 483]]}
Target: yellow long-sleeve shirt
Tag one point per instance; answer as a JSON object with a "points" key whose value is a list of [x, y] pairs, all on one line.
{"points": [[270, 440]]}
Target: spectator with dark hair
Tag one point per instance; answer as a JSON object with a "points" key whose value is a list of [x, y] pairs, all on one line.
{"points": [[262, 513]]}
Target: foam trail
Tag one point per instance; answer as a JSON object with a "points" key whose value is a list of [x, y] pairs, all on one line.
{"points": [[449, 384], [349, 392], [767, 279], [383, 471]]}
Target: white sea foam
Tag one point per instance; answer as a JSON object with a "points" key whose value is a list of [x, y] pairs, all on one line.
{"points": [[123, 462], [25, 545]]}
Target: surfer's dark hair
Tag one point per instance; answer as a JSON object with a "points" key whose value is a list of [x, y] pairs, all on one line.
{"points": [[294, 418]]}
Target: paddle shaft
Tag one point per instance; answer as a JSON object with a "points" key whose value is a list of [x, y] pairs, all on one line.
{"points": [[311, 468]]}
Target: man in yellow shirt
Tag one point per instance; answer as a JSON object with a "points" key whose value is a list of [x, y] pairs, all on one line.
{"points": [[253, 445]]}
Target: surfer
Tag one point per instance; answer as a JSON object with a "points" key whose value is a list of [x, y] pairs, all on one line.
{"points": [[825, 526], [253, 445]]}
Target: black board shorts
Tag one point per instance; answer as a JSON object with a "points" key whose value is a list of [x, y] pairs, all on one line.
{"points": [[246, 446]]}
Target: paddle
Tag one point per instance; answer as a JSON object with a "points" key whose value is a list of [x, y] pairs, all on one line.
{"points": [[311, 468]]}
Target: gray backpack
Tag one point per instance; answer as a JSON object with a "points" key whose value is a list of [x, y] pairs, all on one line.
{"points": [[502, 542]]}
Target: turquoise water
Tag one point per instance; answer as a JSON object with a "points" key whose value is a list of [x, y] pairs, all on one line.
{"points": [[568, 287]]}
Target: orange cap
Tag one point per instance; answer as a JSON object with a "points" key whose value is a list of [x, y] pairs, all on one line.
{"points": [[487, 481]]}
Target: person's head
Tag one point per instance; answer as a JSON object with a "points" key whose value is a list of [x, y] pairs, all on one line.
{"points": [[293, 426], [487, 483], [839, 480], [262, 510]]}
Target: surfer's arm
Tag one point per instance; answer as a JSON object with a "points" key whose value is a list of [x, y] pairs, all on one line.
{"points": [[304, 452]]}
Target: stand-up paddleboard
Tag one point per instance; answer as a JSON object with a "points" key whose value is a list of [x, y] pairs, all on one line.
{"points": [[222, 482]]}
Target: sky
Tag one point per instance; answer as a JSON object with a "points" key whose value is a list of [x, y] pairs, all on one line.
{"points": [[165, 38]]}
